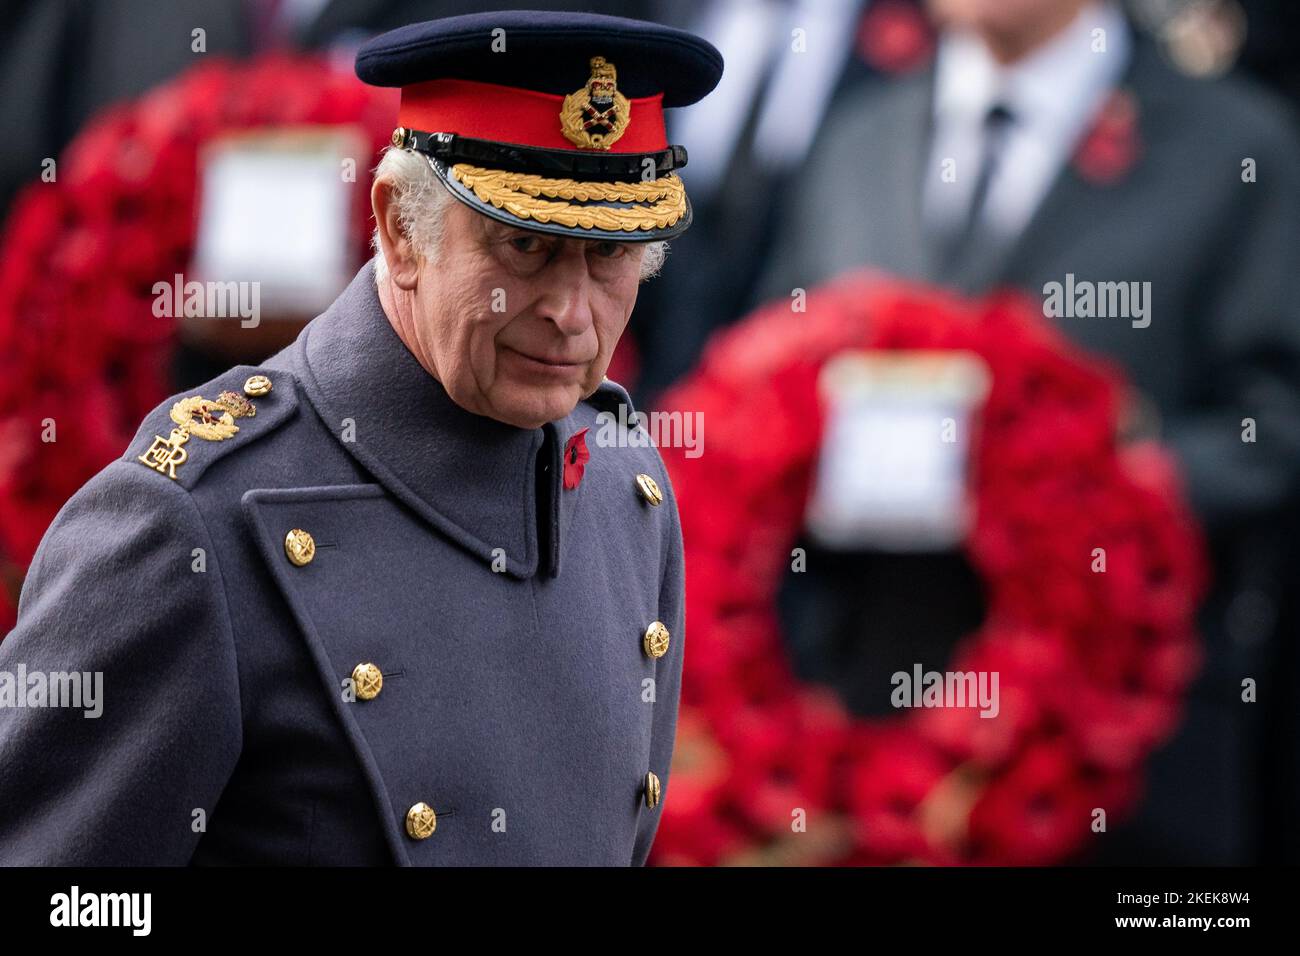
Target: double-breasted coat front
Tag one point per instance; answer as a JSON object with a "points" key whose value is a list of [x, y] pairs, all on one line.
{"points": [[368, 627]]}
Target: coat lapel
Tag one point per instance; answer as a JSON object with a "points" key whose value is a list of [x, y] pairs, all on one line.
{"points": [[469, 476], [904, 120], [865, 202]]}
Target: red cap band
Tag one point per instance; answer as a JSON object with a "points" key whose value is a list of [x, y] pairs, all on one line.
{"points": [[507, 114]]}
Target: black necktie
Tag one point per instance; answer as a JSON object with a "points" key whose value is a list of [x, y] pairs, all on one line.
{"points": [[959, 247]]}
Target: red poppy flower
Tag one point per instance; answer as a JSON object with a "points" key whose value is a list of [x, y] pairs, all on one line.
{"points": [[895, 37], [576, 457], [1111, 146]]}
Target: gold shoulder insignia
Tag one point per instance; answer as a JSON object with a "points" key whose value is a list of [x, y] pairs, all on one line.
{"points": [[202, 418]]}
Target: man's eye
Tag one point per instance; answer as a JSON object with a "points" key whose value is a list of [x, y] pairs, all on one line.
{"points": [[526, 243], [609, 249]]}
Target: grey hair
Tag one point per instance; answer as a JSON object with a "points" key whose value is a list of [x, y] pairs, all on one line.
{"points": [[422, 202]]}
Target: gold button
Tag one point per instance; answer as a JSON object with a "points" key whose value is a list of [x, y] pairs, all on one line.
{"points": [[649, 489], [652, 790], [655, 641], [368, 680], [300, 547], [399, 137], [257, 385], [421, 821]]}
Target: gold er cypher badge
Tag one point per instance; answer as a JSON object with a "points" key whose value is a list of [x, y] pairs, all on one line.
{"points": [[198, 416]]}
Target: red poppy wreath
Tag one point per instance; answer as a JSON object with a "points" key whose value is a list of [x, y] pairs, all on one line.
{"points": [[1092, 666], [80, 344]]}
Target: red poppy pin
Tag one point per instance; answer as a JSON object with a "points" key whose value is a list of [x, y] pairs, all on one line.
{"points": [[576, 457], [894, 36], [1111, 146]]}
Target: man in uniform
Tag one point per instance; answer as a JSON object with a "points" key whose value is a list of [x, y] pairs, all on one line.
{"points": [[385, 598]]}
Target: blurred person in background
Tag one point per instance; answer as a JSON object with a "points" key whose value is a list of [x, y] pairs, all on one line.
{"points": [[1053, 143], [790, 58], [795, 60]]}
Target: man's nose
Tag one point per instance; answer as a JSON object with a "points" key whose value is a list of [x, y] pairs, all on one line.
{"points": [[567, 299]]}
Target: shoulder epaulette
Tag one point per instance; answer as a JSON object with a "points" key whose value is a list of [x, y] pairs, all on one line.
{"points": [[184, 435]]}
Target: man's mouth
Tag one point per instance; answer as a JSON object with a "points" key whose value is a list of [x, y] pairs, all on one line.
{"points": [[556, 362], [546, 366]]}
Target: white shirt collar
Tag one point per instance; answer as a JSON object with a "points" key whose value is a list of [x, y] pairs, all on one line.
{"points": [[1045, 88]]}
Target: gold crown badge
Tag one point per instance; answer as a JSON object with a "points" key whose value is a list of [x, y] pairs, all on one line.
{"points": [[595, 116]]}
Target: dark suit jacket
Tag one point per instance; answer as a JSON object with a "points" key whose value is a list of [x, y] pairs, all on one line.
{"points": [[1224, 341]]}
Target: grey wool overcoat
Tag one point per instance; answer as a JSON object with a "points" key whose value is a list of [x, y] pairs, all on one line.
{"points": [[367, 627]]}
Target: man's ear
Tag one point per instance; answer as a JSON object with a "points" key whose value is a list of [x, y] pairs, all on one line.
{"points": [[399, 252]]}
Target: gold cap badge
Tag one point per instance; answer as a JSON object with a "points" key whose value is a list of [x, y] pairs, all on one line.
{"points": [[595, 116]]}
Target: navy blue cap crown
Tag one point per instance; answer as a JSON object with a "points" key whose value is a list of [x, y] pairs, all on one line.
{"points": [[544, 51]]}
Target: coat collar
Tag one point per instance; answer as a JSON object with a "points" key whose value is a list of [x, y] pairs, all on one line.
{"points": [[471, 477]]}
